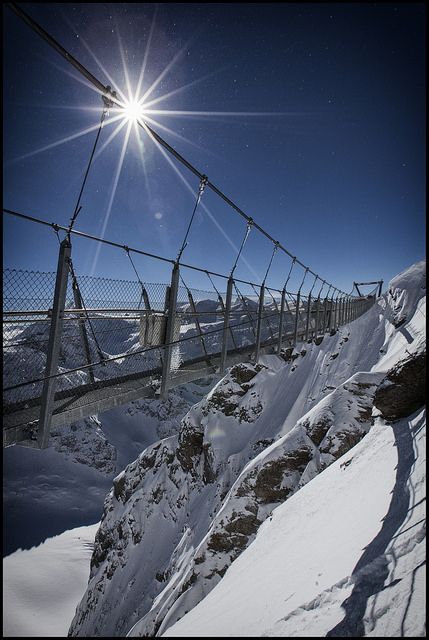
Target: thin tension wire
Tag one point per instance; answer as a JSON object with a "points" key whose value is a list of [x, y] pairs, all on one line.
{"points": [[107, 105], [321, 288], [276, 246], [76, 285], [201, 188], [246, 235], [312, 286], [289, 274], [143, 292], [305, 275]]}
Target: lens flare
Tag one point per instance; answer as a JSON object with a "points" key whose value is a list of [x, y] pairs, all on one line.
{"points": [[133, 111]]}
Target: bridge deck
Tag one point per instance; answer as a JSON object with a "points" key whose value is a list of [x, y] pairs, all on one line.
{"points": [[20, 424]]}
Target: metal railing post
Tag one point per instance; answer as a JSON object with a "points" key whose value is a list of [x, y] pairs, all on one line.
{"points": [[331, 313], [316, 329], [226, 325], [259, 324], [54, 344], [336, 312], [169, 331], [295, 333], [325, 316], [307, 324], [282, 311]]}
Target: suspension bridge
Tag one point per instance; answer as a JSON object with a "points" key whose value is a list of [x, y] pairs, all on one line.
{"points": [[76, 345]]}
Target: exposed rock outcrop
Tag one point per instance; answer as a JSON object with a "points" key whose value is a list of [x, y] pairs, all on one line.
{"points": [[84, 442], [403, 390]]}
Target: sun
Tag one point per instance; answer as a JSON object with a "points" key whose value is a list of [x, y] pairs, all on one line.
{"points": [[133, 111]]}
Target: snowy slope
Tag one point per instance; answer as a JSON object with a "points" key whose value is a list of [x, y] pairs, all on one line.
{"points": [[189, 506], [41, 586], [309, 556]]}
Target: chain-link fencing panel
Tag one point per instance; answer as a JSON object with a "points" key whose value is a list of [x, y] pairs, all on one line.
{"points": [[27, 299]]}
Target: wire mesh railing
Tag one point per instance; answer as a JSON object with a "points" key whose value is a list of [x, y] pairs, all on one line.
{"points": [[116, 338]]}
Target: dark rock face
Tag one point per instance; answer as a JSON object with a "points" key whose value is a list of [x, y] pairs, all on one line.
{"points": [[403, 390], [344, 441], [317, 430], [228, 394], [190, 445]]}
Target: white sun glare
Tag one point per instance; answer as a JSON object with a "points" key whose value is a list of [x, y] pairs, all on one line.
{"points": [[133, 111]]}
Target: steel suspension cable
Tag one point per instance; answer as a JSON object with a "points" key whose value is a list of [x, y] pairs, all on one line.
{"points": [[107, 90], [201, 188], [78, 206], [76, 284], [290, 273], [321, 288], [243, 242], [305, 275], [214, 287], [143, 292], [276, 246], [257, 296], [312, 286]]}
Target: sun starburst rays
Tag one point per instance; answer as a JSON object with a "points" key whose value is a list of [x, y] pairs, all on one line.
{"points": [[134, 106], [135, 109]]}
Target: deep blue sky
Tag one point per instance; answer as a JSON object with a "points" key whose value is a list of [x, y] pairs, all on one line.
{"points": [[338, 177]]}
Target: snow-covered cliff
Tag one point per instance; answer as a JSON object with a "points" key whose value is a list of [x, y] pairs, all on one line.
{"points": [[178, 517]]}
